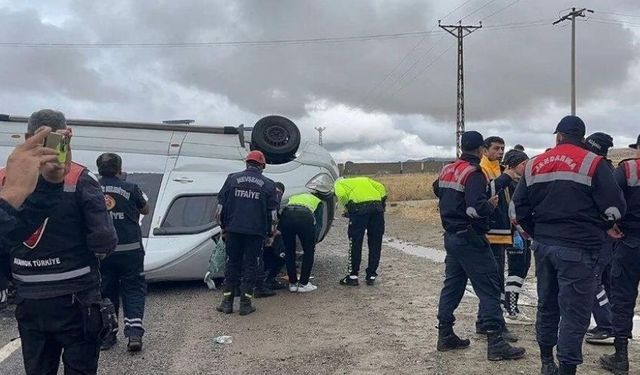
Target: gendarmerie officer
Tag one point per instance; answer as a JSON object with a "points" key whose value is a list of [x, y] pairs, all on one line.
{"points": [[56, 272], [625, 268], [465, 211], [564, 200], [247, 209], [122, 272], [26, 199], [364, 200], [602, 333]]}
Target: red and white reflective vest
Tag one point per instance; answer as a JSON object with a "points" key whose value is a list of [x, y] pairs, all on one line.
{"points": [[565, 162]]}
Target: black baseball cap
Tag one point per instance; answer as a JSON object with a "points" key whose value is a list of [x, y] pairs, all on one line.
{"points": [[513, 158], [471, 140], [571, 125], [635, 145], [599, 143]]}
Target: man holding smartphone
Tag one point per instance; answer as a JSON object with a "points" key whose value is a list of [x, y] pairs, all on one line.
{"points": [[122, 272], [59, 305]]}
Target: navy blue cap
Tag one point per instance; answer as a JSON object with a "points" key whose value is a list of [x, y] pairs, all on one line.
{"points": [[635, 145], [599, 143], [471, 140], [571, 125]]}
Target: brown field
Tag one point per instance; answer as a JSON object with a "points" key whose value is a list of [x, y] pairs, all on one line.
{"points": [[408, 187]]}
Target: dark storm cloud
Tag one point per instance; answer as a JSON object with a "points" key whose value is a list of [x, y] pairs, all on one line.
{"points": [[66, 72]]}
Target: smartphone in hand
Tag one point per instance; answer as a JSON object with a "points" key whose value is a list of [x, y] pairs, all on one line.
{"points": [[60, 143]]}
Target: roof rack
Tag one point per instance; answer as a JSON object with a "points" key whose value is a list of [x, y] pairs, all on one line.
{"points": [[239, 130]]}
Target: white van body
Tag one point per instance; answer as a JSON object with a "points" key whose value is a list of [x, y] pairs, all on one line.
{"points": [[181, 168]]}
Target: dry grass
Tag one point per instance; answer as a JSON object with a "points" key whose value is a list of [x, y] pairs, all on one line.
{"points": [[408, 187], [425, 211]]}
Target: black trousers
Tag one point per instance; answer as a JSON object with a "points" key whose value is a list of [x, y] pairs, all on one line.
{"points": [[469, 257], [122, 278], [298, 223], [274, 258], [5, 271], [625, 277], [243, 251], [373, 224], [61, 325]]}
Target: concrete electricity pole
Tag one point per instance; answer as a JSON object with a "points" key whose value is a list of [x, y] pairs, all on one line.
{"points": [[320, 130], [572, 16], [460, 31]]}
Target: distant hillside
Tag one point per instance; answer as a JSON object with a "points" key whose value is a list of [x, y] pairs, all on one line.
{"points": [[619, 154]]}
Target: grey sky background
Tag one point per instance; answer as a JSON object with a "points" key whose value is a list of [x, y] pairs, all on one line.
{"points": [[383, 99]]}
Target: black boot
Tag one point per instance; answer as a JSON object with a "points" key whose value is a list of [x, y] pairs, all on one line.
{"points": [[226, 306], [567, 369], [109, 341], [499, 350], [448, 340], [549, 366], [263, 292], [506, 334], [246, 307], [618, 363]]}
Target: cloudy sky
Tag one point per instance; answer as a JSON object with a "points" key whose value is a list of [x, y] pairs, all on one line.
{"points": [[389, 94]]}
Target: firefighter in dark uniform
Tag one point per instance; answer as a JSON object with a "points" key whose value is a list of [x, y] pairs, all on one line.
{"points": [[270, 262], [602, 333], [364, 200], [56, 272], [564, 200], [22, 179], [625, 268], [122, 272], [465, 211], [247, 209]]}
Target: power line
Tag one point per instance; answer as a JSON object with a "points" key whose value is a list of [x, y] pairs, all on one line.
{"points": [[479, 9], [620, 14], [358, 38], [502, 9], [610, 21], [458, 7]]}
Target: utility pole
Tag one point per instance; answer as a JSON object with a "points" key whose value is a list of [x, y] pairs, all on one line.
{"points": [[572, 16], [320, 130], [460, 31]]}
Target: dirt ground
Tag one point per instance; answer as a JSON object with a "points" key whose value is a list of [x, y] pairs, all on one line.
{"points": [[385, 329]]}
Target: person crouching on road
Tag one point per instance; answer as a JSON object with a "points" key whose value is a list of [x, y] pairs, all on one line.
{"points": [[270, 261], [122, 272], [465, 211], [247, 212], [564, 200], [625, 267], [602, 333], [299, 219], [56, 271], [364, 200]]}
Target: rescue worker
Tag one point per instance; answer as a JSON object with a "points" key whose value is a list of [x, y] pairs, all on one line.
{"points": [[602, 333], [247, 210], [364, 200], [122, 272], [298, 220], [519, 253], [25, 189], [269, 259], [563, 201], [625, 268], [56, 272], [465, 211]]}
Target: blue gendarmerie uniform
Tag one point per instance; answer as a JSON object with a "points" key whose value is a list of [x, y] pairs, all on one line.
{"points": [[248, 205], [17, 225], [625, 269], [465, 212], [122, 272], [564, 201]]}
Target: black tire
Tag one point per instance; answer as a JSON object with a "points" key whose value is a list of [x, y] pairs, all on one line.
{"points": [[277, 137]]}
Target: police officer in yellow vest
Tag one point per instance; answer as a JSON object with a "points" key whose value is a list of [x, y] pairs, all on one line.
{"points": [[299, 219], [364, 200]]}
